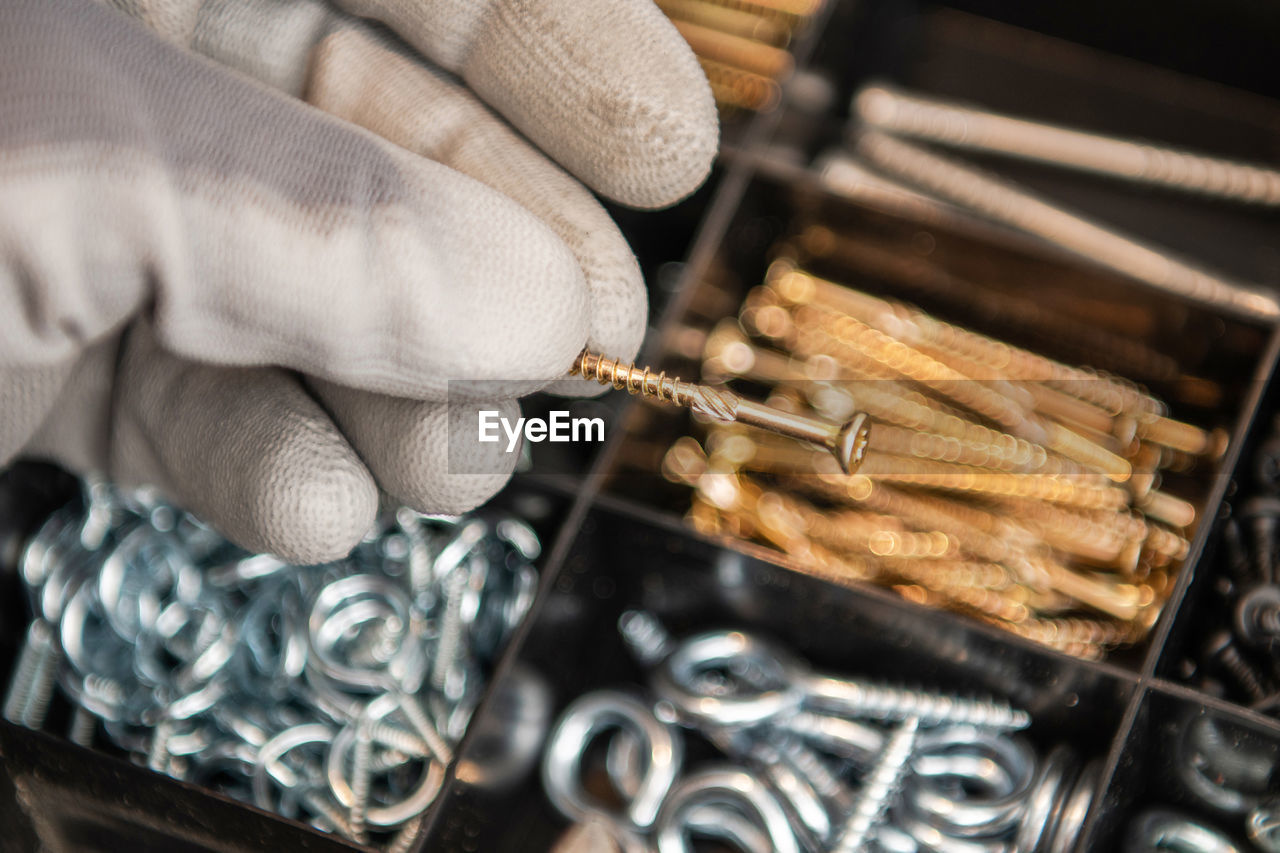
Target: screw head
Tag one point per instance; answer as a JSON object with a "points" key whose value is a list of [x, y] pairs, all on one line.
{"points": [[852, 441], [1257, 617]]}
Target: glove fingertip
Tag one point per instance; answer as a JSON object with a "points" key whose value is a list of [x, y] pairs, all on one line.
{"points": [[314, 518]]}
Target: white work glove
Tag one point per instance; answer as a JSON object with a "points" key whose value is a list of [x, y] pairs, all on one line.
{"points": [[211, 286]]}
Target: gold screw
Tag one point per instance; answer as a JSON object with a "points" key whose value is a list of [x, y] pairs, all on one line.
{"points": [[847, 441]]}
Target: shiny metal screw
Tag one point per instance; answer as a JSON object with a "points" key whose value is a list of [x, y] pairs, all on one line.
{"points": [[645, 637], [881, 702], [1221, 649], [83, 725], [1139, 161], [361, 778], [34, 647], [1017, 208], [417, 716], [875, 798], [40, 689], [847, 442], [836, 793], [393, 737], [449, 645], [404, 839], [158, 752]]}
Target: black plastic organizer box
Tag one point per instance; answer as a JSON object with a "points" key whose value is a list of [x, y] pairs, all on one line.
{"points": [[614, 536]]}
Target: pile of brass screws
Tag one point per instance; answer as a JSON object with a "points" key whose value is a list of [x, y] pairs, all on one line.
{"points": [[996, 482], [742, 45]]}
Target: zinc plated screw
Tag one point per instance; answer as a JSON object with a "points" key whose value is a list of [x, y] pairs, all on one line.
{"points": [[34, 647], [158, 751], [1263, 514], [876, 796], [815, 769], [854, 698], [887, 703], [417, 716], [404, 839], [393, 737], [361, 777], [1221, 649], [847, 442], [645, 637], [40, 687], [83, 725], [450, 644]]}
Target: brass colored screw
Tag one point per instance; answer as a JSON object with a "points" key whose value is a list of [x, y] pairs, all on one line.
{"points": [[976, 129], [735, 51], [796, 9], [1017, 208], [738, 89], [800, 287], [1163, 506], [915, 273], [847, 442], [735, 22]]}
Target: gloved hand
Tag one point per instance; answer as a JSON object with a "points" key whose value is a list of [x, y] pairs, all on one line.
{"points": [[256, 305]]}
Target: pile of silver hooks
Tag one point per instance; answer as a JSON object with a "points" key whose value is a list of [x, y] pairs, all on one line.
{"points": [[816, 762], [332, 694]]}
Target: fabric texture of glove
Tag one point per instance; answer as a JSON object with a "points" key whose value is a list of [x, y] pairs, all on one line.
{"points": [[243, 255]]}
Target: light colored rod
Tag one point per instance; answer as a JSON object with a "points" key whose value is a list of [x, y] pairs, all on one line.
{"points": [[947, 123], [1005, 202]]}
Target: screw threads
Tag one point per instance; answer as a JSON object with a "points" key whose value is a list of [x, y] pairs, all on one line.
{"points": [[627, 377], [103, 689], [644, 636], [24, 673], [1243, 672], [320, 805], [158, 751], [82, 727], [876, 796], [449, 645], [878, 702], [405, 838], [823, 778], [398, 739], [36, 707], [643, 382]]}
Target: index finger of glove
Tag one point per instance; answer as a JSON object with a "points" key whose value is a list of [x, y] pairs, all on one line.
{"points": [[608, 88]]}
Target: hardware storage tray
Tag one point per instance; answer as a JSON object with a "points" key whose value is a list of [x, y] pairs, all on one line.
{"points": [[615, 537]]}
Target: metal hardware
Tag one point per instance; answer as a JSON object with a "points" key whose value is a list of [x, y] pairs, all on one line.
{"points": [[781, 684], [974, 129], [582, 722], [1157, 831], [1020, 209], [873, 802], [847, 441], [838, 775], [299, 688], [728, 787], [996, 481]]}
